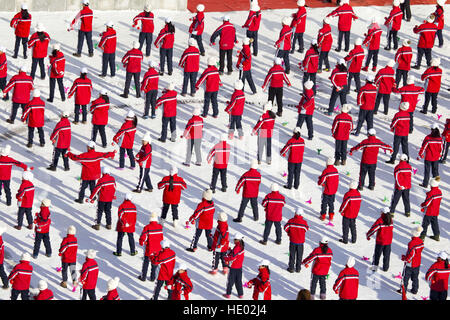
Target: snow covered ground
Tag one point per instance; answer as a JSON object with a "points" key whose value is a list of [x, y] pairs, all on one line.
{"points": [[62, 187]]}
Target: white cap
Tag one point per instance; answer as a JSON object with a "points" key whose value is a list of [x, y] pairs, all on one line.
{"points": [[153, 216], [370, 78], [254, 164], [375, 19], [91, 254], [223, 137], [372, 132], [238, 236], [301, 3], [358, 41], [299, 211], [84, 70], [23, 68], [326, 20], [406, 42], [165, 244], [435, 62], [404, 106], [113, 283], [415, 232], [226, 18], [434, 125], [246, 41], [410, 80], [36, 93], [182, 266], [443, 255], [40, 27], [341, 61], [85, 2], [200, 7], [2, 48], [56, 46], [168, 20], [277, 60], [71, 230], [42, 285], [196, 111], [268, 106], [308, 84], [24, 6], [314, 42], [129, 196], [192, 42], [297, 130], [207, 195], [344, 2], [238, 85], [147, 137], [170, 86], [25, 256], [330, 161], [254, 7], [153, 64], [404, 157], [385, 210], [286, 21], [104, 92], [434, 183], [353, 184], [441, 2], [173, 170], [109, 24], [2, 229], [46, 203], [147, 8], [27, 175], [430, 18], [275, 187], [135, 44], [350, 262], [264, 262], [391, 63], [212, 61], [106, 170], [324, 240], [91, 144], [346, 108], [396, 3], [130, 114], [6, 149], [223, 216]]}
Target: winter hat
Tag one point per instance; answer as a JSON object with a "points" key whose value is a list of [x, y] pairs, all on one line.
{"points": [[238, 236], [170, 86], [396, 3], [200, 8], [86, 2], [275, 187], [324, 240], [299, 211], [65, 114], [268, 106], [277, 60], [264, 262], [135, 45], [435, 62], [91, 144], [46, 203], [130, 114], [353, 184], [410, 80], [226, 18], [173, 170], [326, 20], [129, 196], [212, 61], [254, 164], [56, 46], [286, 21], [25, 256], [238, 85], [246, 41], [391, 63], [308, 85], [372, 132], [207, 195], [330, 161], [23, 68], [36, 93], [415, 232], [430, 18], [182, 266], [113, 283], [196, 111], [2, 229], [385, 210], [404, 157], [223, 137], [42, 285], [2, 48], [223, 216], [358, 41], [441, 2], [24, 6], [434, 183], [153, 217], [84, 70], [104, 92], [147, 137], [40, 27], [106, 170], [341, 61], [254, 7], [71, 230], [406, 42], [301, 3], [434, 125], [109, 24], [404, 106], [27, 175], [90, 254], [370, 77], [443, 255], [165, 244], [147, 8], [346, 108], [153, 64], [314, 42], [192, 42], [350, 262], [297, 130], [344, 2], [6, 149]]}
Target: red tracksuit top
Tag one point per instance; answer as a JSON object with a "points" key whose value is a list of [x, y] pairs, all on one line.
{"points": [[410, 94], [400, 123], [126, 215], [3, 65], [245, 57], [150, 80], [346, 16], [310, 63], [342, 126], [235, 257], [261, 285], [438, 275], [338, 78], [46, 294], [40, 48], [146, 19], [253, 20], [198, 24], [385, 80], [351, 203], [329, 179], [172, 196], [221, 155], [144, 156], [296, 228], [432, 77], [165, 38], [427, 33], [89, 274], [6, 164], [20, 275], [168, 101], [194, 128], [57, 65], [22, 85], [99, 109], [250, 181], [111, 295], [132, 60], [108, 41], [203, 215], [321, 261], [370, 147], [33, 113], [212, 78], [439, 17], [90, 162], [106, 187], [181, 285], [236, 104], [22, 26], [25, 195], [220, 237], [264, 126], [227, 33], [125, 135], [2, 250], [356, 58], [82, 88], [403, 57], [284, 41], [190, 59], [276, 77], [431, 148], [346, 284], [42, 221], [373, 37], [402, 175], [273, 204], [394, 20], [325, 38], [151, 237], [299, 20], [86, 16], [413, 256], [366, 96], [166, 260], [432, 202], [307, 104], [384, 232], [445, 133], [296, 149], [68, 249]]}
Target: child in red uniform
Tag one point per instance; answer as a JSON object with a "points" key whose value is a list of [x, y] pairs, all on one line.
{"points": [[261, 284]]}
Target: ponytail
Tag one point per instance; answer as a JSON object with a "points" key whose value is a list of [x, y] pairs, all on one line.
{"points": [[25, 14], [83, 75], [54, 53], [297, 135], [135, 121], [171, 183], [342, 67], [324, 247], [41, 36], [387, 219], [446, 263], [241, 242], [147, 14], [272, 114], [435, 133], [105, 97], [171, 27], [316, 49]]}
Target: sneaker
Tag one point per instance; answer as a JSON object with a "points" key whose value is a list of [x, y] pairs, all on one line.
{"points": [[319, 71], [75, 54], [78, 200], [255, 218], [326, 69], [161, 140], [96, 226], [123, 95], [290, 270], [371, 187], [227, 296], [10, 121], [278, 242], [390, 161], [417, 67], [214, 271], [49, 100], [137, 190], [435, 238], [29, 145], [186, 164], [342, 240], [141, 278], [263, 242], [51, 168], [223, 189], [225, 270], [387, 48], [134, 253], [287, 187], [63, 284], [423, 111], [117, 254], [374, 69], [237, 220], [148, 190], [30, 226], [423, 185], [191, 249], [108, 226], [102, 75]]}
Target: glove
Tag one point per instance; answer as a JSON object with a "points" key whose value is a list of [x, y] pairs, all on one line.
{"points": [[114, 198], [113, 144], [368, 238], [418, 158], [351, 153], [403, 257], [422, 209], [212, 44], [306, 265]]}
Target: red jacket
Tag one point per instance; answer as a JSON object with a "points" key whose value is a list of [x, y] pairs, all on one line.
{"points": [[299, 20], [427, 33], [264, 126], [3, 65], [403, 57], [106, 187], [57, 65], [321, 261], [150, 81], [33, 113], [245, 57], [307, 104], [90, 162], [400, 123], [86, 17], [296, 149], [385, 80], [310, 63], [253, 21], [151, 237], [2, 250], [168, 100], [338, 78], [370, 147], [431, 148], [273, 204], [296, 228], [220, 237], [20, 275], [250, 181], [402, 175], [190, 59], [432, 77], [126, 221], [261, 285], [346, 16], [356, 58], [384, 232], [432, 202], [284, 41], [394, 20], [108, 41], [125, 135], [166, 261], [366, 96], [22, 85], [165, 38], [25, 194], [410, 94], [276, 77], [324, 38], [132, 60], [212, 78], [46, 294], [89, 274], [68, 249], [144, 156], [342, 126], [42, 221], [82, 88], [351, 203], [6, 164], [40, 48], [372, 38], [445, 133], [21, 25], [203, 215], [99, 109], [180, 284], [171, 195], [111, 295], [227, 33], [413, 256], [194, 128], [235, 106], [198, 24], [439, 17], [146, 19], [221, 155], [346, 284], [329, 179], [235, 257], [438, 275]]}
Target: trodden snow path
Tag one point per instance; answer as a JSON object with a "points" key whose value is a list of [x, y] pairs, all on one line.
{"points": [[62, 187]]}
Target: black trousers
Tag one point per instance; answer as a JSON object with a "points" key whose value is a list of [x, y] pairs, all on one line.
{"points": [[120, 236], [83, 110], [346, 36], [96, 128], [3, 86], [342, 94], [413, 274], [40, 131], [236, 123], [247, 76], [145, 269], [109, 59], [406, 9], [25, 294], [421, 52], [229, 54], [433, 97], [327, 202], [253, 35], [72, 267], [297, 37], [356, 76], [392, 36], [144, 177], [60, 87], [34, 63], [440, 38], [17, 46], [165, 209], [348, 225], [404, 194], [211, 97], [294, 170], [15, 107], [372, 55], [147, 38], [268, 226], [432, 166], [81, 36], [106, 208], [159, 285], [386, 251], [198, 233], [122, 157], [5, 184], [254, 204], [150, 99], [3, 275], [44, 237], [367, 169], [427, 220], [189, 77], [445, 153], [438, 295], [201, 48], [215, 176], [166, 54], [411, 122], [24, 211], [218, 256], [340, 151], [276, 93], [322, 283], [88, 293], [295, 256], [309, 123], [400, 140], [235, 278], [137, 83], [323, 58], [57, 152], [284, 54], [83, 186], [385, 97], [166, 121], [364, 115], [399, 75]]}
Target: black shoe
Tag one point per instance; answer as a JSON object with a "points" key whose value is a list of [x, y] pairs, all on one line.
{"points": [[278, 242], [123, 95], [399, 291], [255, 219], [191, 249], [42, 144], [29, 145], [117, 254], [10, 121], [79, 200], [223, 189], [75, 54], [67, 169], [186, 164], [141, 278], [163, 141], [390, 161], [183, 94], [288, 71], [50, 100], [48, 255], [161, 73], [290, 270], [371, 187], [387, 48], [342, 240], [416, 67], [102, 75], [237, 220], [14, 57], [91, 54], [220, 73], [137, 190], [337, 50], [133, 253], [213, 190], [423, 185], [360, 188], [287, 187], [51, 168], [263, 242], [148, 190], [42, 77], [169, 73], [279, 114]]}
